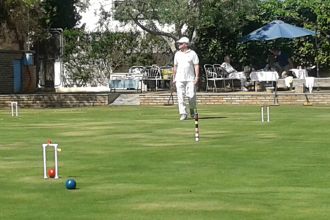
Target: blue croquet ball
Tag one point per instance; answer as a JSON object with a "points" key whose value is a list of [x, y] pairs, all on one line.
{"points": [[70, 184]]}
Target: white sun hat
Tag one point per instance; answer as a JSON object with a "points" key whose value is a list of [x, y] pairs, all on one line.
{"points": [[183, 40]]}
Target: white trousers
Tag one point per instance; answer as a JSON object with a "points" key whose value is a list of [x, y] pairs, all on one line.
{"points": [[310, 83], [186, 89]]}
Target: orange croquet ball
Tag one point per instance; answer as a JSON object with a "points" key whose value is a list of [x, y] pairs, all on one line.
{"points": [[51, 173]]}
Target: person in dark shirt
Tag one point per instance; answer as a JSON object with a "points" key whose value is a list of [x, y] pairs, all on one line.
{"points": [[282, 62]]}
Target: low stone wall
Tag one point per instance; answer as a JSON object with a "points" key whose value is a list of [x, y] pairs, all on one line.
{"points": [[258, 98], [58, 100]]}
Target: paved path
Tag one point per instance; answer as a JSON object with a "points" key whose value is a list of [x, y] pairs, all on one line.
{"points": [[127, 99]]}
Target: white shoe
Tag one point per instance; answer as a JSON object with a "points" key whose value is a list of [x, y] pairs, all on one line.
{"points": [[183, 117], [244, 89]]}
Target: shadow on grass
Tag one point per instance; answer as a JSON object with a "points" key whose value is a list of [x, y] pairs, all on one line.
{"points": [[211, 117]]}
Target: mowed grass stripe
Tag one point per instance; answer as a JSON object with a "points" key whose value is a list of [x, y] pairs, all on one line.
{"points": [[135, 162]]}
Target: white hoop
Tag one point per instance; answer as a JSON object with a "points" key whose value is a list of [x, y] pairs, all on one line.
{"points": [[44, 147]]}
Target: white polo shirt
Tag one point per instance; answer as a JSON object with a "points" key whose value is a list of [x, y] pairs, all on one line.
{"points": [[185, 62]]}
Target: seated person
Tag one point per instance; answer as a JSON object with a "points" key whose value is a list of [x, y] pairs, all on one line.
{"points": [[270, 66], [282, 63], [235, 74]]}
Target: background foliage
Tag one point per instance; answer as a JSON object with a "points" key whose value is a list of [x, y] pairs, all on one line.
{"points": [[215, 28], [114, 51], [19, 22], [218, 40]]}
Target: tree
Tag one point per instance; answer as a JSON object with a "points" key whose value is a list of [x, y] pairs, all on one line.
{"points": [[59, 15], [221, 28], [153, 16], [29, 20], [311, 14], [185, 17], [19, 20], [321, 10], [92, 56], [62, 13], [117, 49]]}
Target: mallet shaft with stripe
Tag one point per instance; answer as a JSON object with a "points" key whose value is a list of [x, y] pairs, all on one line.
{"points": [[196, 127]]}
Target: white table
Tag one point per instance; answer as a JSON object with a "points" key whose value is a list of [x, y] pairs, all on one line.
{"points": [[264, 76], [300, 73]]}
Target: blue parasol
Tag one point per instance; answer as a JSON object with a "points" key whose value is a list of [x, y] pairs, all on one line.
{"points": [[277, 29]]}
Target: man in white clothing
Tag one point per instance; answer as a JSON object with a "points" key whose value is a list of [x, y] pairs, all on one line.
{"points": [[186, 75]]}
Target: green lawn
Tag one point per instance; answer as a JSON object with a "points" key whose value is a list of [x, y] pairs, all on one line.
{"points": [[133, 162]]}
